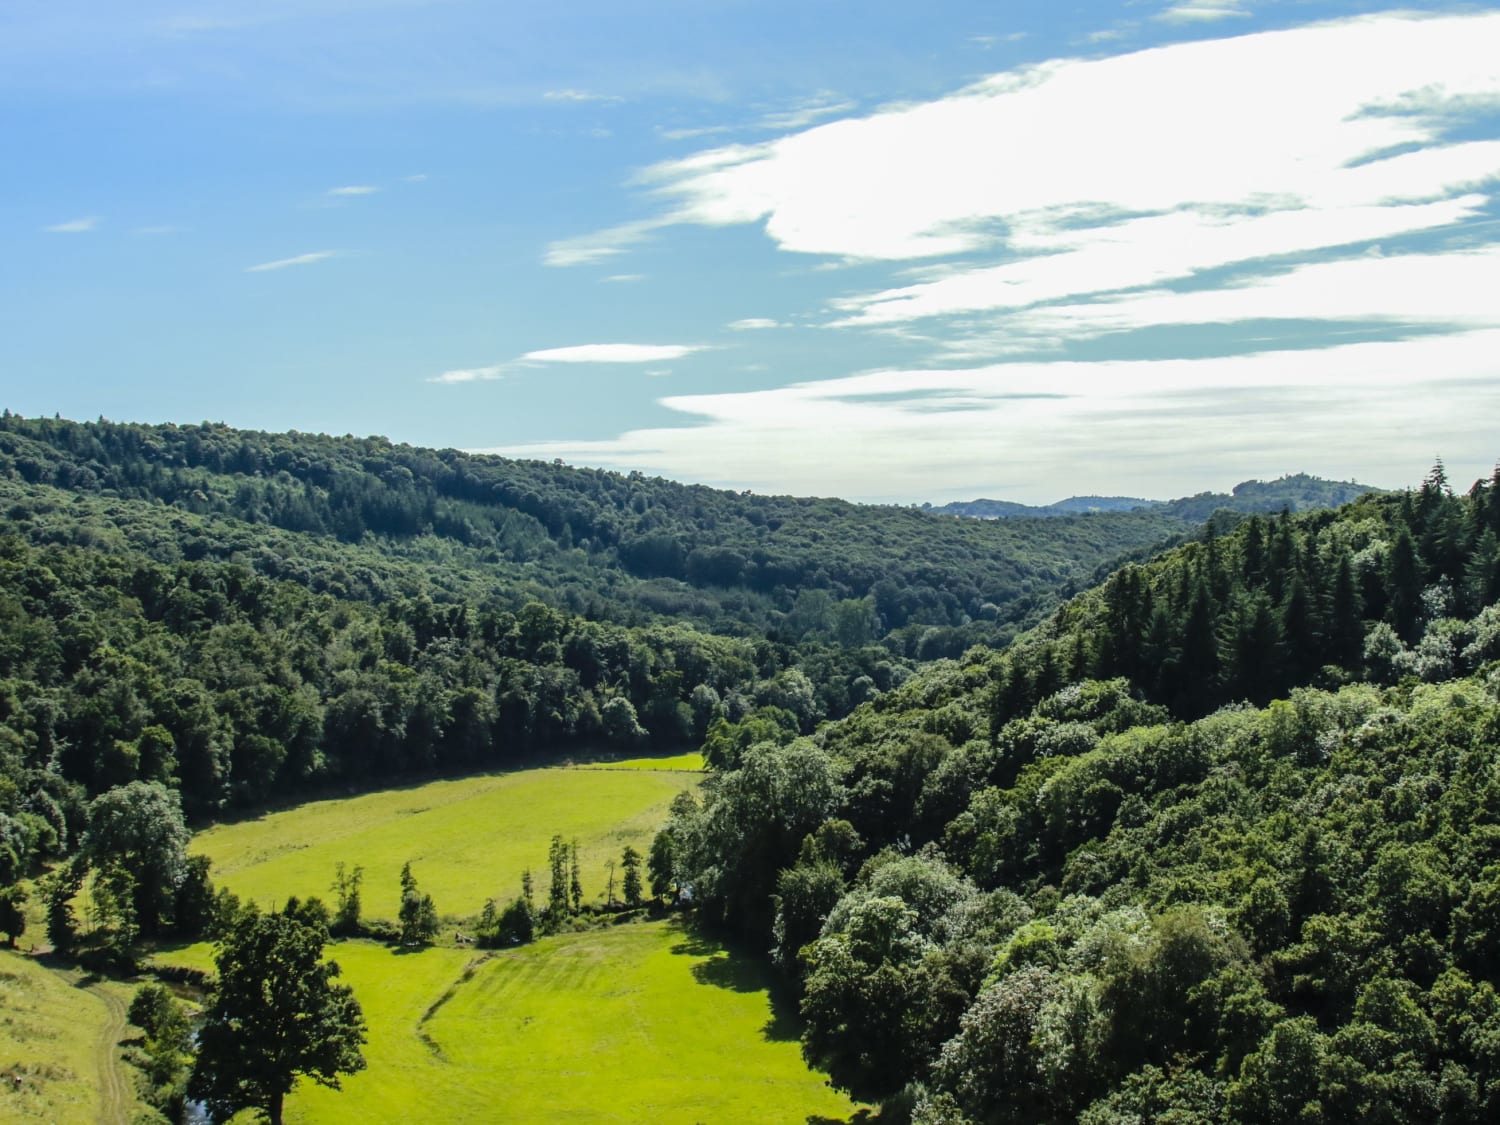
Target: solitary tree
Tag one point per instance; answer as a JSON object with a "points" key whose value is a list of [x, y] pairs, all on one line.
{"points": [[277, 1015], [418, 915], [347, 906]]}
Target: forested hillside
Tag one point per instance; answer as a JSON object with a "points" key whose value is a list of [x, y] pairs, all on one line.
{"points": [[624, 547], [1218, 843]]}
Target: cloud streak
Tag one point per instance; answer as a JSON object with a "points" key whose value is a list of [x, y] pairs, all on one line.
{"points": [[1202, 11], [74, 226], [612, 353], [299, 260]]}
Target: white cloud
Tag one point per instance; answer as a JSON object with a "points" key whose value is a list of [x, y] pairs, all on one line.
{"points": [[1046, 175], [613, 353], [1202, 11], [299, 260], [74, 226], [415, 178], [750, 323], [624, 278], [354, 189], [470, 374], [1037, 431]]}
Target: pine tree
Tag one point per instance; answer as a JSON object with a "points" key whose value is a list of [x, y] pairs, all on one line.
{"points": [[1346, 632], [557, 888], [575, 880], [630, 861]]}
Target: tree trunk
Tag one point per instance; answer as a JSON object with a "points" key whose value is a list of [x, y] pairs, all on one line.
{"points": [[273, 1110]]}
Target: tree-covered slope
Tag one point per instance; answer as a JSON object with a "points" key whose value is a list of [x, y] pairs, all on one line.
{"points": [[628, 546], [1216, 844]]}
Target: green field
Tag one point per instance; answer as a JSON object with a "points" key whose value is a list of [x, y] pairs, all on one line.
{"points": [[61, 1037], [634, 1023], [467, 839]]}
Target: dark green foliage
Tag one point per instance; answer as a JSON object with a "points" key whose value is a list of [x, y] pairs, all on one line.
{"points": [[13, 901], [630, 876], [1251, 876], [625, 546], [278, 1014], [165, 1054]]}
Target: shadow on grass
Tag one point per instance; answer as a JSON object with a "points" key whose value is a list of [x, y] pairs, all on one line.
{"points": [[862, 1117], [730, 965]]}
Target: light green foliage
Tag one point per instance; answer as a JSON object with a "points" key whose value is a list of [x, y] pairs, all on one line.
{"points": [[472, 838]]}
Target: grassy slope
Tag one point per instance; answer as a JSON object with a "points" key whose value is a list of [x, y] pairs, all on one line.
{"points": [[635, 1023], [468, 839], [56, 1036]]}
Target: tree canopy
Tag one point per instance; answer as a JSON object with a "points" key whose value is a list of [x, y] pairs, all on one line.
{"points": [[278, 1014]]}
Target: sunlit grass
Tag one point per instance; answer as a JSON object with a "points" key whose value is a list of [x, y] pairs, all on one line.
{"points": [[633, 1023], [467, 839], [52, 1035]]}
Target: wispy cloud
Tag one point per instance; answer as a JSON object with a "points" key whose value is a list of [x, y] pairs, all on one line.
{"points": [[688, 133], [1202, 11], [813, 109], [624, 278], [613, 353], [601, 245], [354, 189], [74, 226], [415, 178], [299, 260], [471, 374], [750, 323], [580, 96]]}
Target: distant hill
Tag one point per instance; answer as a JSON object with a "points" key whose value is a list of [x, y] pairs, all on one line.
{"points": [[1297, 492], [1010, 509]]}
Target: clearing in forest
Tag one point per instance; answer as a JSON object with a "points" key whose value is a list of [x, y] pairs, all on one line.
{"points": [[467, 839]]}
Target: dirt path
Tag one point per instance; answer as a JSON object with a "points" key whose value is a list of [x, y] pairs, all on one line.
{"points": [[112, 1085]]}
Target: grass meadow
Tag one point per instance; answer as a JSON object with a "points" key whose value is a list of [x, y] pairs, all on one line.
{"points": [[467, 839], [642, 1022]]}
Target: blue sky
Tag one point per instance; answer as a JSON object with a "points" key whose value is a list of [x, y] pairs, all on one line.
{"points": [[876, 250]]}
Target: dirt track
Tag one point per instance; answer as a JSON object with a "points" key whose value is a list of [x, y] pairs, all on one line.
{"points": [[114, 1093]]}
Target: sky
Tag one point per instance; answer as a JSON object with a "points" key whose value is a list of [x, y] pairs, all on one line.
{"points": [[885, 251]]}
